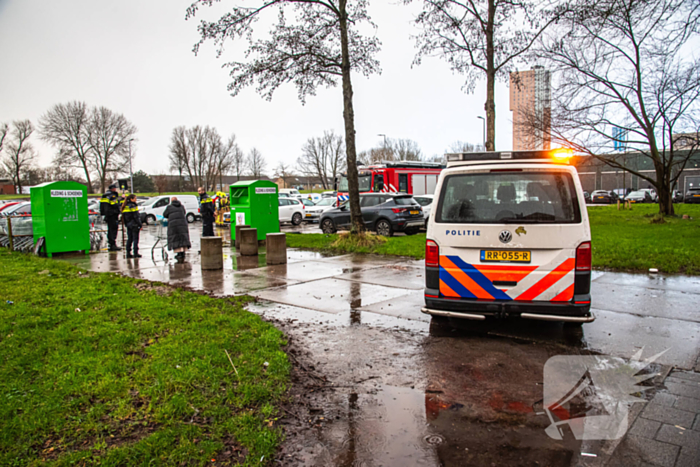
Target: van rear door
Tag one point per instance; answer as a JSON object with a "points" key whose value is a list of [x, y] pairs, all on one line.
{"points": [[509, 234]]}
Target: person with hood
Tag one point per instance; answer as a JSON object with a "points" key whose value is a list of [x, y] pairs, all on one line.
{"points": [[132, 222], [206, 209], [178, 231]]}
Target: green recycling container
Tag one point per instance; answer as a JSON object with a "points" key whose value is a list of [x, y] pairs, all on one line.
{"points": [[60, 215], [254, 203]]}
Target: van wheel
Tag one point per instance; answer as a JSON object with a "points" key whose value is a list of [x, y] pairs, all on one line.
{"points": [[328, 227], [150, 218], [190, 218], [296, 219], [384, 228]]}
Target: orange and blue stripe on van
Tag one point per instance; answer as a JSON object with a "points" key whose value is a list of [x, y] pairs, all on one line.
{"points": [[459, 279]]}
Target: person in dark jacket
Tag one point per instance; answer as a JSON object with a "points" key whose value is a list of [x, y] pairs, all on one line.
{"points": [[132, 222], [109, 208], [178, 231], [206, 209]]}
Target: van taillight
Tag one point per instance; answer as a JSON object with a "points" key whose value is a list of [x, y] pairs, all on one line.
{"points": [[583, 257], [432, 254]]}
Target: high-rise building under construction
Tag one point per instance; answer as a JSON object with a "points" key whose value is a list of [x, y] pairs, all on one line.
{"points": [[530, 95]]}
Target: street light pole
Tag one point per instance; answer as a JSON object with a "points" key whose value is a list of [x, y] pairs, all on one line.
{"points": [[483, 126], [384, 139], [131, 174]]}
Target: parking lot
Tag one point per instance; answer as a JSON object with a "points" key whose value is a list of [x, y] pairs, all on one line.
{"points": [[377, 383]]}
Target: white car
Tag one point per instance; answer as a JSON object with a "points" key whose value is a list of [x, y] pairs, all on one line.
{"points": [[314, 212], [291, 210], [290, 192], [426, 202], [152, 208], [509, 236]]}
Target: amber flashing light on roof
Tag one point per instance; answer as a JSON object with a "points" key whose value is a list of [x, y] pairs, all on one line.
{"points": [[557, 155]]}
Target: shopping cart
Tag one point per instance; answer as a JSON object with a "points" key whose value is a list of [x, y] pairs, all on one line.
{"points": [[161, 239]]}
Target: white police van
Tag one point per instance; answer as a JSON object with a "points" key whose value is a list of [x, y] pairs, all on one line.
{"points": [[509, 235]]}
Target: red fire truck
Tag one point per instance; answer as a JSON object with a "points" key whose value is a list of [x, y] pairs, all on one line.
{"points": [[414, 178]]}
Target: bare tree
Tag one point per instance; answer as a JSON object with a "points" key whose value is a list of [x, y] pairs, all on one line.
{"points": [[19, 153], [317, 47], [464, 146], [161, 182], [179, 156], [323, 157], [256, 163], [622, 64], [65, 127], [3, 134], [200, 154], [284, 172], [108, 136], [481, 38], [406, 150], [238, 162]]}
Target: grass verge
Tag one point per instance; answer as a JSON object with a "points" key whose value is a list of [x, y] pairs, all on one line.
{"points": [[639, 239], [413, 245], [103, 369], [626, 240]]}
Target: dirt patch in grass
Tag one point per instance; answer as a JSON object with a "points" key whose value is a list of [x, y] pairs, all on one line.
{"points": [[161, 289]]}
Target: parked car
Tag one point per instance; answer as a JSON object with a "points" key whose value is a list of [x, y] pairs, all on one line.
{"points": [[622, 192], [652, 193], [23, 209], [677, 196], [692, 196], [8, 205], [154, 207], [291, 210], [313, 213], [587, 197], [426, 202], [603, 197], [639, 197], [383, 213], [291, 192], [330, 194], [307, 202]]}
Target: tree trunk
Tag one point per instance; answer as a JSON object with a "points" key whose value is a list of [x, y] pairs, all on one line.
{"points": [[490, 105], [664, 189], [349, 118], [87, 177]]}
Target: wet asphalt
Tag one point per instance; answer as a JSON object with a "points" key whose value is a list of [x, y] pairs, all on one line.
{"points": [[404, 390]]}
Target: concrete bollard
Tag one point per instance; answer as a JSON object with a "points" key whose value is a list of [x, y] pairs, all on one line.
{"points": [[212, 256], [249, 242], [276, 248], [237, 232]]}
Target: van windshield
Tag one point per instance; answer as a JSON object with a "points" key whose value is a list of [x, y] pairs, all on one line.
{"points": [[509, 197]]}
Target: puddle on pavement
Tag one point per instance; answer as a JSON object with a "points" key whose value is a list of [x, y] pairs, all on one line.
{"points": [[404, 426]]}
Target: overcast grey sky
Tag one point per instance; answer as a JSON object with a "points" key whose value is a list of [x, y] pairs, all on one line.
{"points": [[135, 57]]}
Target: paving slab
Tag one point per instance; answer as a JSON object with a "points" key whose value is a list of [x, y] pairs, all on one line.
{"points": [[688, 284], [395, 275], [644, 428], [679, 436], [407, 307], [623, 334], [331, 295], [646, 301], [668, 415], [635, 450]]}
